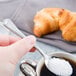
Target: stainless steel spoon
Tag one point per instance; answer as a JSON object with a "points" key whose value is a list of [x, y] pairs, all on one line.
{"points": [[48, 59]]}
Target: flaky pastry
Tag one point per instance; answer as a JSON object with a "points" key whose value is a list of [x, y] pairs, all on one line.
{"points": [[52, 19]]}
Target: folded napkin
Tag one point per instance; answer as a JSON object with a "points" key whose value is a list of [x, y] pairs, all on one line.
{"points": [[22, 13]]}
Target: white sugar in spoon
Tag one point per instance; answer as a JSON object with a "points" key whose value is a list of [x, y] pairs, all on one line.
{"points": [[58, 66]]}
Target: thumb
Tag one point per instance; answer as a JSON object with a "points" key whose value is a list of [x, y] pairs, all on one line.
{"points": [[22, 46]]}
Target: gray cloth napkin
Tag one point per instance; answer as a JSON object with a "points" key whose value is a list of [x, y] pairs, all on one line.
{"points": [[22, 13]]}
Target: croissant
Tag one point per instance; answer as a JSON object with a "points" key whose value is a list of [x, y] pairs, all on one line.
{"points": [[49, 20]]}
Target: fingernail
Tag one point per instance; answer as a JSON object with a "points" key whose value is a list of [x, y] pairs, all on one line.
{"points": [[32, 39]]}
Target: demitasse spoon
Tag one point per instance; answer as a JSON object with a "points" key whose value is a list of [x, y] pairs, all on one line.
{"points": [[58, 66]]}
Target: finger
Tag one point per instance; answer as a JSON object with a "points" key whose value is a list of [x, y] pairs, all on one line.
{"points": [[13, 39], [7, 40], [21, 47]]}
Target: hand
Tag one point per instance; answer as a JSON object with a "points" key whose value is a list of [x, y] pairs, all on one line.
{"points": [[11, 50]]}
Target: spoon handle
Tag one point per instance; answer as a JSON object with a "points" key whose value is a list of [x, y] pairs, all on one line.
{"points": [[41, 51], [12, 27], [15, 30]]}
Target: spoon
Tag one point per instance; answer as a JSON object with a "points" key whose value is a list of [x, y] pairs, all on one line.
{"points": [[53, 64], [58, 66]]}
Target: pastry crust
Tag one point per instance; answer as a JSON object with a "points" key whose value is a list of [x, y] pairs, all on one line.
{"points": [[46, 21], [69, 33], [52, 19]]}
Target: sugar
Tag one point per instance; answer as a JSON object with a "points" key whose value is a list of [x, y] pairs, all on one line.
{"points": [[60, 67]]}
